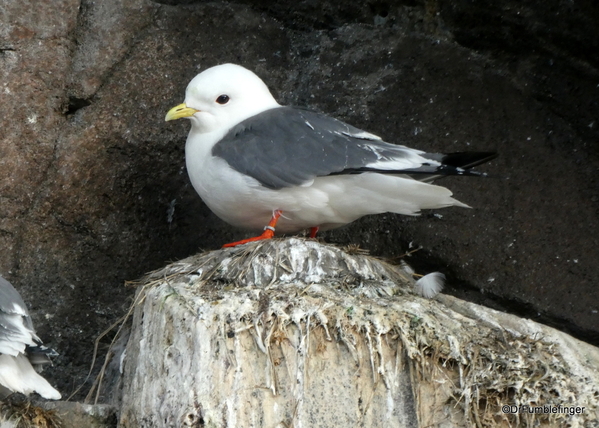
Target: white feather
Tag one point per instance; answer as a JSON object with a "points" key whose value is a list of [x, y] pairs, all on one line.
{"points": [[17, 374], [363, 135], [430, 285], [14, 341], [410, 158]]}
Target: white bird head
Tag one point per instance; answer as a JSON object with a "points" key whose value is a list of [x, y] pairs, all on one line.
{"points": [[222, 96]]}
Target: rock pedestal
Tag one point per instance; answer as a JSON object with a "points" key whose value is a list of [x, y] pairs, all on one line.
{"points": [[292, 333]]}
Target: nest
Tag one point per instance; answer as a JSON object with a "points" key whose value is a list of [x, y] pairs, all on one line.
{"points": [[23, 414], [273, 287]]}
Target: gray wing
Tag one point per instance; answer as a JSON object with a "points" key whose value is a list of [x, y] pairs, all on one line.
{"points": [[286, 146], [11, 302]]}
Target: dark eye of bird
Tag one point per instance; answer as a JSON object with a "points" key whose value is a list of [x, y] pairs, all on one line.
{"points": [[223, 99]]}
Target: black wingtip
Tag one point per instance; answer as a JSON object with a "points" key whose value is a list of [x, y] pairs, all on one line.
{"points": [[467, 160], [458, 163]]}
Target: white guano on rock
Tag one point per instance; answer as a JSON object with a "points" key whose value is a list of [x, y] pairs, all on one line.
{"points": [[293, 333]]}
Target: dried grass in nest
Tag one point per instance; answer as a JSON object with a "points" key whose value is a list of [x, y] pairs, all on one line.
{"points": [[26, 415]]}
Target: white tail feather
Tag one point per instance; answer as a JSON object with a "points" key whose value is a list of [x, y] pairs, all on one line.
{"points": [[17, 374]]}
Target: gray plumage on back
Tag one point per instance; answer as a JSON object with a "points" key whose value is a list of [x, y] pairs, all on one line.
{"points": [[284, 147]]}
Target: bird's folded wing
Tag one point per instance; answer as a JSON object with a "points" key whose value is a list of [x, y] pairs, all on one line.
{"points": [[16, 328], [286, 146]]}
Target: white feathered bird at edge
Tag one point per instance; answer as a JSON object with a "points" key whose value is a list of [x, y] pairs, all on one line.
{"points": [[21, 350]]}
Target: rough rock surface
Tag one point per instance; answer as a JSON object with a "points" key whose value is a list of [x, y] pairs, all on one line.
{"points": [[93, 189], [296, 333]]}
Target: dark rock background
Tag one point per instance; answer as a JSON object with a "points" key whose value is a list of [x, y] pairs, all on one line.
{"points": [[93, 187]]}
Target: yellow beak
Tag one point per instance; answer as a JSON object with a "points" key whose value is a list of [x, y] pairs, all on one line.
{"points": [[180, 111]]}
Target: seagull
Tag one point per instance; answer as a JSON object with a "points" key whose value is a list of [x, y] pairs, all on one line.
{"points": [[21, 351], [259, 165]]}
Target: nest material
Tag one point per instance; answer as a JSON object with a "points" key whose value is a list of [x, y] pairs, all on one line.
{"points": [[23, 414], [275, 289]]}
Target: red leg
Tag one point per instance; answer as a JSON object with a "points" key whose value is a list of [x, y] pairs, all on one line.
{"points": [[313, 231], [269, 231]]}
